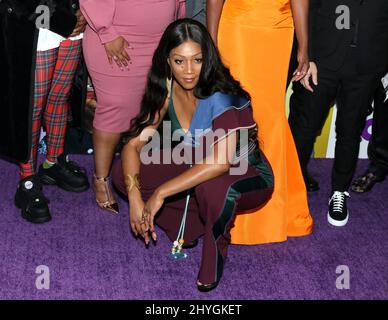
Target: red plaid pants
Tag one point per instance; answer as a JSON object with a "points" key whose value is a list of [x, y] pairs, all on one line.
{"points": [[54, 73]]}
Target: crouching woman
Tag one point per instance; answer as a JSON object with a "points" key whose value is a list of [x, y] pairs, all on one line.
{"points": [[191, 95]]}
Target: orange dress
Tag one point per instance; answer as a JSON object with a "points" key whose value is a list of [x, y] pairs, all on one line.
{"points": [[255, 39]]}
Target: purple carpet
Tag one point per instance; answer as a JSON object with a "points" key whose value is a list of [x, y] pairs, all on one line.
{"points": [[92, 255]]}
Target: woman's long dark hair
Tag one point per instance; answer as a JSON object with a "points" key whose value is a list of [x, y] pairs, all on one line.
{"points": [[214, 75]]}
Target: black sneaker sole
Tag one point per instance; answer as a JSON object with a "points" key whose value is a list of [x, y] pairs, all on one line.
{"points": [[45, 179], [28, 217], [337, 223], [36, 220]]}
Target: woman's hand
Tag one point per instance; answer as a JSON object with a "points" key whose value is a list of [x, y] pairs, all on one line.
{"points": [[313, 73], [139, 224], [151, 208], [81, 24], [303, 65], [115, 50]]}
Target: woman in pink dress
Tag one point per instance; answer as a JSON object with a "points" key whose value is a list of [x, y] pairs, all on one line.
{"points": [[118, 45]]}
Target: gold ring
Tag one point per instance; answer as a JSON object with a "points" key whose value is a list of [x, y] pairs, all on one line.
{"points": [[144, 215]]}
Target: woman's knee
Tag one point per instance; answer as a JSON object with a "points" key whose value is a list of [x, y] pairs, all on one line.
{"points": [[212, 188], [211, 196]]}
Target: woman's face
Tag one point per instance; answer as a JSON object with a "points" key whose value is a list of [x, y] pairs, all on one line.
{"points": [[186, 62]]}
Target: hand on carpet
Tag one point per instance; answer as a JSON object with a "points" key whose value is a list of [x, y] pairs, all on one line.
{"points": [[138, 221], [151, 208]]}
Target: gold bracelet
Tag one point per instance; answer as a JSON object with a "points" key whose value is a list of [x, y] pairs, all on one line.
{"points": [[132, 181]]}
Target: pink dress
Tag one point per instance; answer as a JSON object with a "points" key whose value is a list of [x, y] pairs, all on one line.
{"points": [[141, 23]]}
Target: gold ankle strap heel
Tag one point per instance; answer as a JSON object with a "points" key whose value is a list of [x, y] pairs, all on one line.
{"points": [[104, 196]]}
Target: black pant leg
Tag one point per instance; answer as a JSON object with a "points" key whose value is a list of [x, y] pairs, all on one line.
{"points": [[308, 112], [354, 97], [378, 145]]}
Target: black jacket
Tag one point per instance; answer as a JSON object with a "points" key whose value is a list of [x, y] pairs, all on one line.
{"points": [[368, 34], [18, 41]]}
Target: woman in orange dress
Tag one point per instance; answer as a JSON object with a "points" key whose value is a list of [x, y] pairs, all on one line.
{"points": [[255, 40]]}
